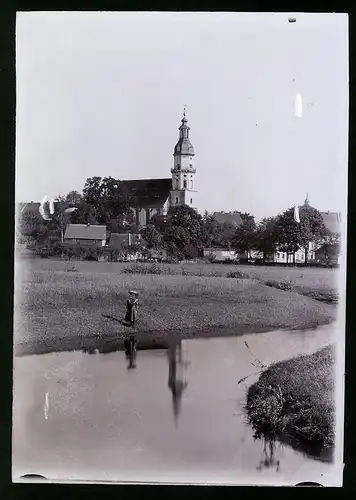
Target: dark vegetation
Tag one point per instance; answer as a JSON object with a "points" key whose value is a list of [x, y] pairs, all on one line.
{"points": [[296, 409], [181, 235]]}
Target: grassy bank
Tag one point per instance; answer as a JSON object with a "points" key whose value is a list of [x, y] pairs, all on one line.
{"points": [[78, 305], [317, 283], [293, 401]]}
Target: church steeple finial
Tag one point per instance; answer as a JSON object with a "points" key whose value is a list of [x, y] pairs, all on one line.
{"points": [[306, 201]]}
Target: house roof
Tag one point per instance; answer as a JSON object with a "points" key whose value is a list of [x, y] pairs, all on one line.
{"points": [[149, 193], [29, 207], [332, 221], [233, 218], [85, 232]]}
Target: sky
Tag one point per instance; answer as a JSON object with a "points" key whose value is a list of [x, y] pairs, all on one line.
{"points": [[102, 94]]}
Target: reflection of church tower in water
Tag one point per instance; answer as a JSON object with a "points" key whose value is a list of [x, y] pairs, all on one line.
{"points": [[176, 381]]}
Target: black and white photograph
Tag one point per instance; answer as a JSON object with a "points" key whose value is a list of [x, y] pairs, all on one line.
{"points": [[180, 248]]}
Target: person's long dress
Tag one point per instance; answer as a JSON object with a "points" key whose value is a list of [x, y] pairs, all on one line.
{"points": [[130, 311]]}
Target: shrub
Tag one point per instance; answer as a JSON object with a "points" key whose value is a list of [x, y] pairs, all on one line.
{"points": [[237, 274], [143, 269], [286, 285]]}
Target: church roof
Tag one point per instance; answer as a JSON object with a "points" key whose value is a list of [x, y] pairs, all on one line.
{"points": [[149, 193], [332, 221], [85, 232]]}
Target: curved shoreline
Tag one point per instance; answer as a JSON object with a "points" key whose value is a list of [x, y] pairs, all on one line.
{"points": [[147, 340]]}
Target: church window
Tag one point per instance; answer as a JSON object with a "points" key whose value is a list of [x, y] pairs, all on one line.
{"points": [[185, 183], [191, 200], [190, 164], [177, 200]]}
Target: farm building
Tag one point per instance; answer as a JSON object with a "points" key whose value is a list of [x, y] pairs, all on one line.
{"points": [[85, 234]]}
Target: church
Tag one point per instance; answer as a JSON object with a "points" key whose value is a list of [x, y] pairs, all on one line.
{"points": [[156, 196]]}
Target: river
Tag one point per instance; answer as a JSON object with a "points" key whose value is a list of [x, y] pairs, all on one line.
{"points": [[80, 417]]}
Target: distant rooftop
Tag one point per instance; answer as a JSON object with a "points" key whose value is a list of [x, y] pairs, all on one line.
{"points": [[332, 221], [85, 232], [233, 218]]}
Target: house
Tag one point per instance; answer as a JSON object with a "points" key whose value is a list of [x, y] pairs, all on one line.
{"points": [[220, 254], [85, 234], [332, 222]]}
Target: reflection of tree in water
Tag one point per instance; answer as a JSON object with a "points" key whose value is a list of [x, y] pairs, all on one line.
{"points": [[268, 454], [176, 382]]}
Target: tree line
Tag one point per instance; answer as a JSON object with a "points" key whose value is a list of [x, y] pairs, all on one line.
{"points": [[183, 233]]}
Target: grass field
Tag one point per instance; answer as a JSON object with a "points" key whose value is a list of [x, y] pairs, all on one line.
{"points": [[296, 409], [73, 305]]}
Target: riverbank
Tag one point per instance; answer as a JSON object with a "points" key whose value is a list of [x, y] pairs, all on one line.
{"points": [[296, 409], [77, 309]]}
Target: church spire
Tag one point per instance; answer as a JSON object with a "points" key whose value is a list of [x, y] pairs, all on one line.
{"points": [[184, 146]]}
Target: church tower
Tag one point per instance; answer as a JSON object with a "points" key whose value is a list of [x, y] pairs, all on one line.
{"points": [[183, 171]]}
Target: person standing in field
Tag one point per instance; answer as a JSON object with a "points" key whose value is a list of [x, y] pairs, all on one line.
{"points": [[131, 308], [131, 314]]}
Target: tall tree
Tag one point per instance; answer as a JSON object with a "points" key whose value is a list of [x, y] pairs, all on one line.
{"points": [[266, 238], [32, 226], [93, 191], [152, 236], [217, 234], [292, 235], [245, 235]]}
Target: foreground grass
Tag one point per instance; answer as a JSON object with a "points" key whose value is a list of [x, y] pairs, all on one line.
{"points": [[294, 401], [73, 308]]}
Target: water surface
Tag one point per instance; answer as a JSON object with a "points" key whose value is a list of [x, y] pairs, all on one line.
{"points": [[178, 417]]}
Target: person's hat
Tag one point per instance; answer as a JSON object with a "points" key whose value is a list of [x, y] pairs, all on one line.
{"points": [[133, 292]]}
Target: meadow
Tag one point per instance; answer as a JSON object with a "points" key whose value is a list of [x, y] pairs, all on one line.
{"points": [[66, 305]]}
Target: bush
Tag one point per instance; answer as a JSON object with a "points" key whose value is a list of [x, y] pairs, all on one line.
{"points": [[287, 285], [237, 274], [143, 269]]}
